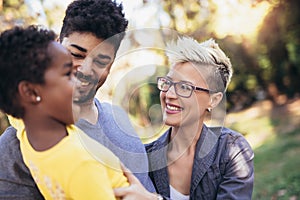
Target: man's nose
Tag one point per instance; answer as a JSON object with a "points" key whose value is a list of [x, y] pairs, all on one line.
{"points": [[76, 64], [86, 67]]}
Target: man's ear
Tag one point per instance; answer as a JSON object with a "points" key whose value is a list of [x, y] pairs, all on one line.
{"points": [[28, 92], [215, 99]]}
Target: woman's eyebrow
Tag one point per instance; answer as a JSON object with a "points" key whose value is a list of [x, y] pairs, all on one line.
{"points": [[184, 81]]}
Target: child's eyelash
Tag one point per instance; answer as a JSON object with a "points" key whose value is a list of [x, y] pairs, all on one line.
{"points": [[69, 73]]}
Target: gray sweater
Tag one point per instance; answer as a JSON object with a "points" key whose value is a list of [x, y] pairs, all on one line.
{"points": [[113, 130]]}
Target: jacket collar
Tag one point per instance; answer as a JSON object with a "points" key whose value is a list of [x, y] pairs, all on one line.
{"points": [[158, 163], [204, 157], [206, 150]]}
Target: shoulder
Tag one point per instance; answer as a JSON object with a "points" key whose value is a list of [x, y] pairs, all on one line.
{"points": [[114, 119], [94, 150], [233, 165], [15, 179], [159, 143], [8, 139], [233, 137], [105, 107], [233, 143], [109, 111], [227, 135], [9, 147]]}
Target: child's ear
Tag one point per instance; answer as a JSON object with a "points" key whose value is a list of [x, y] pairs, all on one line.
{"points": [[57, 39], [28, 92]]}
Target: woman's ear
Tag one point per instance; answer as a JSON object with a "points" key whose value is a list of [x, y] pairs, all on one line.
{"points": [[28, 92], [215, 99]]}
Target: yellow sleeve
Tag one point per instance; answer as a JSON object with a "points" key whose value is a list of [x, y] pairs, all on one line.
{"points": [[18, 124], [91, 181], [117, 177]]}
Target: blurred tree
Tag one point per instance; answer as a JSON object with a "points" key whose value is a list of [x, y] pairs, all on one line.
{"points": [[233, 24], [265, 60], [14, 12], [280, 47]]}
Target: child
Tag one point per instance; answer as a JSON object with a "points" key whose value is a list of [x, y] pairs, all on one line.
{"points": [[37, 82]]}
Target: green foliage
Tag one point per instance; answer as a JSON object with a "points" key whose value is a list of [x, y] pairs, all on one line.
{"points": [[144, 98], [279, 37], [268, 63], [273, 132], [14, 12], [184, 15], [277, 174]]}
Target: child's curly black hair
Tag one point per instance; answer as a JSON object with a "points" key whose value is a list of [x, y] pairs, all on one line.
{"points": [[23, 56], [103, 18]]}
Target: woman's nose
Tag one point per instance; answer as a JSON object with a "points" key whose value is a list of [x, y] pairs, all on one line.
{"points": [[171, 92]]}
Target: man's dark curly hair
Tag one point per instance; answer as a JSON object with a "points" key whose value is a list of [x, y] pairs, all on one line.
{"points": [[23, 56], [103, 18]]}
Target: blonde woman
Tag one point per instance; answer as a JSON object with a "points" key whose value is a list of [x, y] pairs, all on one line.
{"points": [[191, 160]]}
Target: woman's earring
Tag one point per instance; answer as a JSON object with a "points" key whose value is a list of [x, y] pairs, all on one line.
{"points": [[38, 98], [208, 109]]}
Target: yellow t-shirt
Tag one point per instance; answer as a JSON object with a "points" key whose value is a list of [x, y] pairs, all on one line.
{"points": [[77, 167]]}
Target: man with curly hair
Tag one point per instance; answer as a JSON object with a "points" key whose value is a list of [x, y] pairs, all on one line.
{"points": [[92, 31]]}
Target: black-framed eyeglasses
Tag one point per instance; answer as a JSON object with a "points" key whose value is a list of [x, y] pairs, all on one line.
{"points": [[182, 88]]}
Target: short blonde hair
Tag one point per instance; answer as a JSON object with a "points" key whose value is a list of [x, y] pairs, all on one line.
{"points": [[206, 56]]}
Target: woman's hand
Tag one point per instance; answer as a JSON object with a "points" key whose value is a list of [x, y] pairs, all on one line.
{"points": [[135, 191]]}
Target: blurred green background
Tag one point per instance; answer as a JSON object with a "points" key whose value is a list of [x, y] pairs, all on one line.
{"points": [[262, 40]]}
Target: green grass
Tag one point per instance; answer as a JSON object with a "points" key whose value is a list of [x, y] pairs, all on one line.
{"points": [[277, 168], [274, 134]]}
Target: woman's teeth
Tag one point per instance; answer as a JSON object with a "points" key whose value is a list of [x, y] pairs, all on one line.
{"points": [[173, 108]]}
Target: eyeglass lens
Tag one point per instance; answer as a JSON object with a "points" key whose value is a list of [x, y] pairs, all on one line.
{"points": [[181, 88]]}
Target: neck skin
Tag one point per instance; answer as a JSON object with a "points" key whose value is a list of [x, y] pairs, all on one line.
{"points": [[43, 133], [184, 139], [89, 111]]}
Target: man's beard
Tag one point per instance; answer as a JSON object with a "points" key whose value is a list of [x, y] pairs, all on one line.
{"points": [[86, 92], [85, 98]]}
